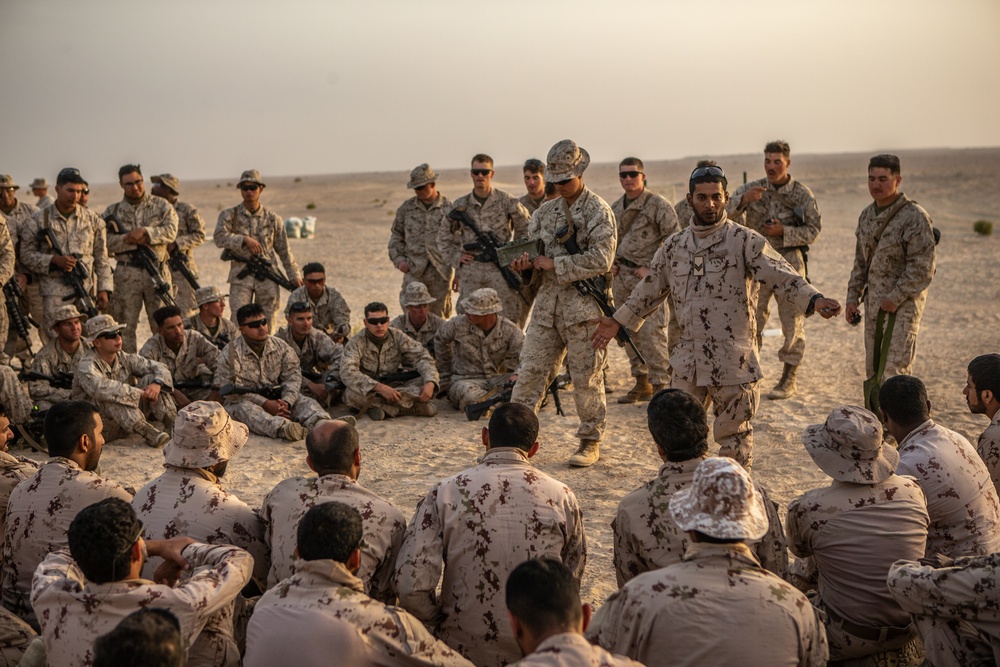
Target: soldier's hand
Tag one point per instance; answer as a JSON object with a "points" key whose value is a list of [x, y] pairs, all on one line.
{"points": [[215, 396], [605, 332], [22, 280], [317, 389], [299, 282], [850, 310], [387, 392], [173, 560], [642, 272], [827, 308], [426, 392], [615, 268], [521, 263], [753, 194], [253, 245], [275, 407], [64, 262], [137, 236], [465, 259], [404, 267], [543, 263], [888, 306], [180, 399], [102, 301], [151, 393], [456, 283], [773, 227], [171, 246], [937, 561]]}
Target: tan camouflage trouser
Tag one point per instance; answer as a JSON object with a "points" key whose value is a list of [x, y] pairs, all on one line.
{"points": [[14, 396], [264, 292], [903, 348], [439, 288], [792, 320], [734, 407], [305, 411], [542, 353], [184, 294], [121, 420], [133, 290], [651, 339], [465, 391], [480, 274], [408, 395]]}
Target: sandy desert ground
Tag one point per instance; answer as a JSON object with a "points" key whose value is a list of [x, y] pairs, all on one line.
{"points": [[402, 458]]}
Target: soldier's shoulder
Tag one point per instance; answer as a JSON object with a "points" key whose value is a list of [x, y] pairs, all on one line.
{"points": [[185, 209], [398, 322], [801, 190], [659, 201]]}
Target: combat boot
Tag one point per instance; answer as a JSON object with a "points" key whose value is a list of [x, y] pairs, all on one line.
{"points": [[786, 385], [152, 436], [293, 431], [375, 413], [419, 409], [642, 391], [587, 455]]}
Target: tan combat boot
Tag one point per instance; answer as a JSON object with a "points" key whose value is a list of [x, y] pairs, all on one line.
{"points": [[786, 385], [642, 391], [152, 436], [419, 409], [293, 431], [587, 455]]}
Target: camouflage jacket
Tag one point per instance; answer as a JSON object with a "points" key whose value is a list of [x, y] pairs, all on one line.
{"points": [[13, 471], [684, 212], [779, 202], [530, 205], [226, 327], [363, 361], [286, 504], [466, 351], [263, 225], [518, 513], [80, 233], [96, 380], [196, 359], [278, 365], [190, 231], [414, 236], [425, 335], [647, 538], [643, 226], [330, 312], [316, 353], [18, 217], [989, 449], [153, 214], [50, 360], [502, 214], [571, 649]]}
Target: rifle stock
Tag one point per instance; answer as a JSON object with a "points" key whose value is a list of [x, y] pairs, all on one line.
{"points": [[19, 318]]}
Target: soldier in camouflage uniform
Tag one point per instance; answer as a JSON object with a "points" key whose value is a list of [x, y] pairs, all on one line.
{"points": [[645, 220], [13, 469], [534, 183], [316, 352], [710, 272], [14, 396], [785, 212], [18, 214], [477, 351], [847, 535], [766, 621], [413, 245], [40, 511], [60, 355], [208, 321], [252, 229], [646, 536], [40, 188], [495, 212], [334, 454], [189, 356], [519, 513], [893, 265], [190, 235], [325, 588], [381, 350], [417, 321], [85, 591], [330, 310], [559, 322], [147, 221], [982, 393], [259, 360]]}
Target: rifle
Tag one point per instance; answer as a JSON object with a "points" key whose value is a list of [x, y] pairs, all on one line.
{"points": [[179, 262], [221, 340], [260, 267], [192, 384], [474, 411], [32, 432], [76, 278], [61, 379], [20, 319], [272, 393], [487, 243], [148, 261], [388, 378]]}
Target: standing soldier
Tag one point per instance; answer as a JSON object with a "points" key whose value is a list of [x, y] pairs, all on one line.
{"points": [[145, 221], [252, 229], [534, 183], [413, 245], [208, 321], [785, 212], [18, 213], [40, 188], [190, 235]]}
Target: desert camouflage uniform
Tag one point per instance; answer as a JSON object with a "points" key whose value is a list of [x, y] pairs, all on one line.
{"points": [[472, 362], [277, 365], [46, 200], [268, 229], [75, 611], [18, 217], [662, 617], [15, 637], [316, 353], [560, 320], [226, 327], [122, 408], [712, 285], [899, 268], [647, 537], [684, 212], [989, 449], [330, 313], [383, 525], [954, 607], [190, 235], [196, 359], [8, 260], [846, 536], [394, 636], [414, 240], [13, 471], [503, 215], [38, 515], [425, 334], [14, 396], [134, 287], [779, 202], [50, 360], [530, 204], [961, 499], [518, 512], [642, 227], [363, 361], [571, 649]]}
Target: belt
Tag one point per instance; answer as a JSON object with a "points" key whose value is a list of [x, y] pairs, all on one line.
{"points": [[866, 632], [626, 262]]}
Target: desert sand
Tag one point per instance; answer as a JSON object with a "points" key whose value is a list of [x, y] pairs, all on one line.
{"points": [[402, 458]]}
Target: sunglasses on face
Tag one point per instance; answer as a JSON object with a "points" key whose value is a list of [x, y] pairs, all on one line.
{"points": [[629, 174], [422, 187], [482, 172], [315, 281], [378, 320], [256, 324], [250, 187], [562, 183], [110, 335]]}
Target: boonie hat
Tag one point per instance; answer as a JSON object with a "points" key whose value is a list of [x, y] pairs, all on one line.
{"points": [[484, 301], [250, 176], [566, 160], [722, 502], [100, 325], [421, 175], [168, 180], [204, 434], [416, 294], [69, 312], [7, 181], [42, 183], [848, 446], [208, 294]]}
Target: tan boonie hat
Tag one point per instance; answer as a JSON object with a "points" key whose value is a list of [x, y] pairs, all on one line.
{"points": [[566, 160], [848, 446], [204, 434], [63, 313], [100, 325], [250, 176], [208, 294], [483, 301], [39, 183], [421, 175], [722, 502], [7, 181], [169, 180], [416, 294]]}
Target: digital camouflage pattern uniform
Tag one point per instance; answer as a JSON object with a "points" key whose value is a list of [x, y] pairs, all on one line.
{"points": [[472, 362], [989, 449], [75, 611], [647, 537], [327, 587], [519, 513], [364, 361], [330, 312], [16, 218], [425, 334], [50, 360], [383, 525], [316, 352], [414, 240], [38, 515], [530, 204], [227, 328], [13, 471], [15, 637], [781, 202], [571, 649], [643, 224], [190, 235], [134, 287], [712, 284], [899, 268], [8, 260], [14, 396], [196, 360], [684, 212]]}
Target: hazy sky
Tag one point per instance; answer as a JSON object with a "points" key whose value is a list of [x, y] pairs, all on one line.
{"points": [[207, 88]]}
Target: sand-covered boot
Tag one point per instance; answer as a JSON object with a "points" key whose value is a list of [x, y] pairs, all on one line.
{"points": [[786, 385], [587, 455], [152, 436], [419, 409], [642, 391], [293, 431]]}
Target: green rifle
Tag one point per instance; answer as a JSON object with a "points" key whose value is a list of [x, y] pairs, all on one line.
{"points": [[272, 393], [260, 267], [147, 260], [61, 379]]}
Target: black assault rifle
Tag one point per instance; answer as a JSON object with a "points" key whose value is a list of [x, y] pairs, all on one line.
{"points": [[60, 380], [487, 243], [192, 384], [75, 278], [260, 267], [221, 340], [272, 393], [388, 378], [147, 260], [179, 262], [475, 411], [17, 311]]}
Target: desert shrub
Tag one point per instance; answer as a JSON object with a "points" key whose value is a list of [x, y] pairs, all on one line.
{"points": [[310, 206], [983, 227]]}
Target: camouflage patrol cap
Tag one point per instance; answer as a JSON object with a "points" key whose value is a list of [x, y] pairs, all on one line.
{"points": [[69, 312], [722, 502], [250, 176], [848, 446], [483, 301], [100, 325], [421, 175], [204, 434], [208, 294], [7, 181], [566, 160], [168, 180], [416, 294], [39, 183]]}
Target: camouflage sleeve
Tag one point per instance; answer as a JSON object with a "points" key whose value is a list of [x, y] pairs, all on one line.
{"points": [[519, 217], [382, 587], [420, 561], [327, 354], [443, 341], [283, 251], [415, 355], [964, 591], [7, 258], [224, 375], [808, 232], [165, 231], [666, 219], [141, 366], [772, 549], [59, 573], [350, 367], [615, 617], [151, 350], [195, 234], [769, 268], [397, 239], [102, 261], [341, 312], [225, 235], [513, 358], [574, 554], [733, 210], [650, 292], [798, 540], [628, 563], [32, 255], [449, 238], [98, 386], [858, 281], [220, 573], [115, 242], [206, 351], [918, 237], [401, 635], [248, 534], [602, 234], [291, 375]]}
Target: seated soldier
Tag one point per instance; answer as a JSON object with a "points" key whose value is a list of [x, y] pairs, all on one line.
{"points": [[208, 321], [317, 353], [104, 377], [190, 357], [418, 322], [381, 350], [13, 469], [264, 381], [330, 311], [14, 396], [150, 637], [478, 351], [58, 359]]}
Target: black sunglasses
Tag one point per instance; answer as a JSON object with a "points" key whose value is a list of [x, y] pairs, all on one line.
{"points": [[250, 187], [482, 172], [708, 171], [256, 324], [629, 174], [378, 320], [110, 335]]}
